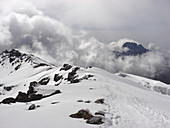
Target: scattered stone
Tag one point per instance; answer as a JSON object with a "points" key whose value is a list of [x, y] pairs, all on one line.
{"points": [[32, 107], [39, 65], [91, 88], [9, 100], [44, 81], [95, 120], [100, 113], [79, 100], [17, 67], [55, 102], [66, 67], [57, 77], [8, 88], [100, 101], [88, 101], [82, 114]]}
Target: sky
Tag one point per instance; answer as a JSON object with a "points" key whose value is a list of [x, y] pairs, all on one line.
{"points": [[86, 32], [146, 21]]}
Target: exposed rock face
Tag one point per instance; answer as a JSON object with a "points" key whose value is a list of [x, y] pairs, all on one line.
{"points": [[66, 67], [57, 77], [72, 76], [9, 100]]}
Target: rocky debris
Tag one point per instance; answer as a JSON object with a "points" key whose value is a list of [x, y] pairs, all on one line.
{"points": [[9, 100], [80, 101], [55, 102], [85, 114], [88, 101], [30, 95], [57, 77], [95, 120], [44, 81], [66, 67], [17, 67], [101, 113], [72, 77], [9, 88], [32, 107], [99, 101], [23, 97], [40, 65]]}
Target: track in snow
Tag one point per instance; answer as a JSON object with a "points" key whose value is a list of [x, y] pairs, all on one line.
{"points": [[128, 111]]}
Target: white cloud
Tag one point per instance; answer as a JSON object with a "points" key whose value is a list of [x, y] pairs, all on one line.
{"points": [[34, 32]]}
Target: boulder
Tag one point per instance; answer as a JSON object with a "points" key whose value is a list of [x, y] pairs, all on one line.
{"points": [[82, 114], [99, 101], [66, 67], [32, 107]]}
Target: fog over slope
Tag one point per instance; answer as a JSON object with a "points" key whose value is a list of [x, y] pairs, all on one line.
{"points": [[28, 29]]}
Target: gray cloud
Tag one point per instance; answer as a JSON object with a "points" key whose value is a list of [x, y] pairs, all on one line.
{"points": [[27, 28]]}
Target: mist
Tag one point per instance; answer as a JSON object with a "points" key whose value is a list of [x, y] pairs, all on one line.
{"points": [[30, 30]]}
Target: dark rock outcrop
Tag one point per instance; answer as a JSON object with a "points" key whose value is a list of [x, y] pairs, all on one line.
{"points": [[82, 114], [57, 77], [85, 114], [66, 67], [99, 101], [9, 100], [9, 88]]}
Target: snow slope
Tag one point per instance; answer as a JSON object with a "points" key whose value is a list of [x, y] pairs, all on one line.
{"points": [[128, 103]]}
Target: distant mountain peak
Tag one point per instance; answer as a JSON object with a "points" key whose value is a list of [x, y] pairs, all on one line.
{"points": [[131, 49], [134, 48]]}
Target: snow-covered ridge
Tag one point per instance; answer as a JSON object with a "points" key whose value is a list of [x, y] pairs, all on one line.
{"points": [[154, 85], [60, 95]]}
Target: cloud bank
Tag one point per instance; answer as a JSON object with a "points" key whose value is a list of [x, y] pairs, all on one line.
{"points": [[30, 30]]}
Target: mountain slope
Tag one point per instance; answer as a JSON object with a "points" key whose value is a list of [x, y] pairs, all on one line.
{"points": [[120, 100]]}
